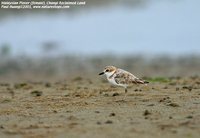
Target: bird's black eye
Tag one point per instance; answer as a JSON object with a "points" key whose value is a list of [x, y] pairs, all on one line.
{"points": [[107, 70]]}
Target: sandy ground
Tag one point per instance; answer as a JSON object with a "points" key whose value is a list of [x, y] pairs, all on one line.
{"points": [[92, 108]]}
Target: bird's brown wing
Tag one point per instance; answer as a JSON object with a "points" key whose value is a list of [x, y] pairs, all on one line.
{"points": [[124, 77], [120, 78]]}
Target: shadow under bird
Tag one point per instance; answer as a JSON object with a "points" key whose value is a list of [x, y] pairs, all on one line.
{"points": [[120, 77]]}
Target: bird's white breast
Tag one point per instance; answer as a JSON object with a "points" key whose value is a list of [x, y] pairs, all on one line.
{"points": [[110, 77], [112, 80]]}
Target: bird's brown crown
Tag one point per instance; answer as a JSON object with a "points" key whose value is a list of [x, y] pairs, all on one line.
{"points": [[109, 68]]}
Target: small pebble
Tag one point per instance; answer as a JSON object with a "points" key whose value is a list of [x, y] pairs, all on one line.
{"points": [[77, 95], [55, 111], [172, 83], [187, 87], [98, 123], [146, 112], [189, 117], [20, 85], [108, 122], [1, 127], [166, 99], [165, 87], [173, 105], [184, 87], [36, 93], [66, 95], [112, 114], [161, 100], [150, 104], [115, 94], [47, 84]]}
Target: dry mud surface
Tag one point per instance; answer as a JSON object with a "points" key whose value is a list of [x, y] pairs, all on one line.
{"points": [[92, 108]]}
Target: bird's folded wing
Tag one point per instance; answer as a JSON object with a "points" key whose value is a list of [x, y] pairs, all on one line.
{"points": [[124, 77]]}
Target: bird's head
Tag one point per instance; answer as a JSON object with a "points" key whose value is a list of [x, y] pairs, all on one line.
{"points": [[108, 70]]}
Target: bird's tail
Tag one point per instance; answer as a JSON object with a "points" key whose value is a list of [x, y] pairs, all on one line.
{"points": [[140, 81]]}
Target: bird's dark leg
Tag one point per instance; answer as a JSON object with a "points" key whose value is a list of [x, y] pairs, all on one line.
{"points": [[126, 90], [125, 93]]}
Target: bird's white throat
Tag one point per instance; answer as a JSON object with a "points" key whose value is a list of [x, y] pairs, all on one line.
{"points": [[109, 74]]}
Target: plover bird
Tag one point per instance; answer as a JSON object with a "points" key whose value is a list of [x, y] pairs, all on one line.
{"points": [[120, 77]]}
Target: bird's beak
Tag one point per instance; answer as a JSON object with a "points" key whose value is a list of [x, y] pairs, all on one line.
{"points": [[101, 73]]}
